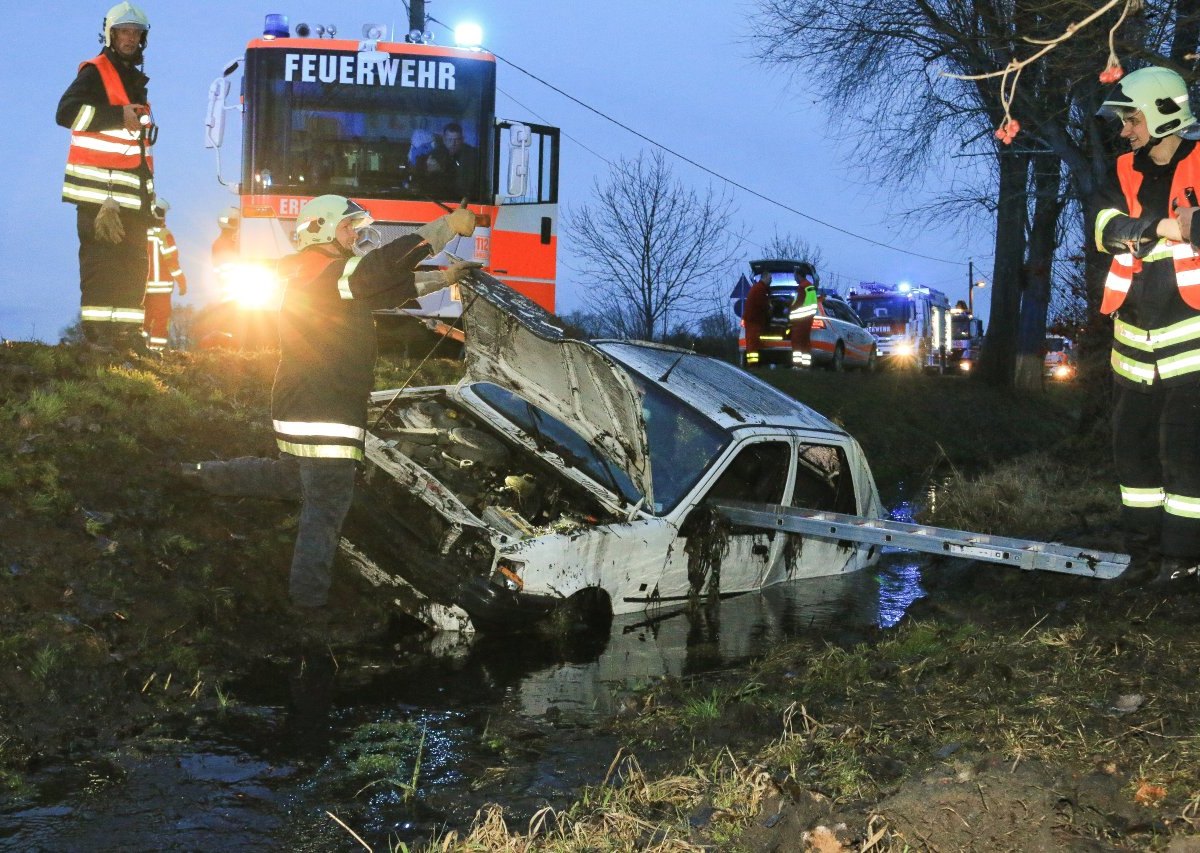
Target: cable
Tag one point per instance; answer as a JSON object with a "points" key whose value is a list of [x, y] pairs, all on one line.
{"points": [[717, 175]]}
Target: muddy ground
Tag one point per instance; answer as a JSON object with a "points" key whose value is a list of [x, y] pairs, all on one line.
{"points": [[1008, 711]]}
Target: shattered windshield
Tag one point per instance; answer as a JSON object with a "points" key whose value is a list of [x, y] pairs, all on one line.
{"points": [[682, 444], [551, 434]]}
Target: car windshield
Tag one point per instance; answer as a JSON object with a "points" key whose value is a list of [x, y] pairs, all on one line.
{"points": [[1055, 345], [875, 309], [682, 444], [553, 435]]}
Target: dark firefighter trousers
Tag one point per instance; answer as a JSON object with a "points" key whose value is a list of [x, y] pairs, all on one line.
{"points": [[1156, 445], [112, 275], [325, 488]]}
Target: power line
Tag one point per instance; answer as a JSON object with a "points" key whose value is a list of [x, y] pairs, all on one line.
{"points": [[715, 174]]}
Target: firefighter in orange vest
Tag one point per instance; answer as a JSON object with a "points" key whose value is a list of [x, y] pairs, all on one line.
{"points": [[164, 276], [1146, 221], [109, 177], [756, 312]]}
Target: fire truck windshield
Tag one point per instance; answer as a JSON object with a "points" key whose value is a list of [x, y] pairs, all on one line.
{"points": [[415, 126], [875, 308]]}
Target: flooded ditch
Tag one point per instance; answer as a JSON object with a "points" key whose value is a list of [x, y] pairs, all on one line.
{"points": [[480, 720]]}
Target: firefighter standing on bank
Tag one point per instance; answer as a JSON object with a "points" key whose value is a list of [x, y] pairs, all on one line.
{"points": [[756, 313], [1146, 220], [801, 316], [164, 276], [326, 374], [109, 178]]}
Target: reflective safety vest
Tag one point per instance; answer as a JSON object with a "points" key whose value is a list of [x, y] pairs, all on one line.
{"points": [[806, 307], [163, 255], [103, 164], [1185, 258]]}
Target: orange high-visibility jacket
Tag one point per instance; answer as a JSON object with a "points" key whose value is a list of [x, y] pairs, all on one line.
{"points": [[1185, 257], [103, 164]]}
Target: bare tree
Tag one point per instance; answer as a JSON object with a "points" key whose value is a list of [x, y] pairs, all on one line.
{"points": [[793, 248], [651, 250], [890, 67]]}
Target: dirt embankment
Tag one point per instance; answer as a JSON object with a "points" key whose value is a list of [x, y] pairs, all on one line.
{"points": [[1008, 712]]}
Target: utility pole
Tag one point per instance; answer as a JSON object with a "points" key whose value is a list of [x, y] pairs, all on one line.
{"points": [[970, 287]]}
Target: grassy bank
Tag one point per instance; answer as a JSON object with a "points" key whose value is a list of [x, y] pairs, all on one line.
{"points": [[124, 600]]}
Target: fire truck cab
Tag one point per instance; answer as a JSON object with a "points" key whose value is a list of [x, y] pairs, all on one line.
{"points": [[912, 325], [406, 129]]}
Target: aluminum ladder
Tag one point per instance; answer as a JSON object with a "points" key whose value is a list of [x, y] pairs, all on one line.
{"points": [[1021, 553]]}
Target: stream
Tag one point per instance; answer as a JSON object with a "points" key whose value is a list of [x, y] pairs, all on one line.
{"points": [[410, 736]]}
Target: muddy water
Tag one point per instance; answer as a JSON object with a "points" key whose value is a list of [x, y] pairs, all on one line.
{"points": [[493, 720]]}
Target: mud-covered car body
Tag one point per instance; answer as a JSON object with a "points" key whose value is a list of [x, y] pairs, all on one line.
{"points": [[562, 470]]}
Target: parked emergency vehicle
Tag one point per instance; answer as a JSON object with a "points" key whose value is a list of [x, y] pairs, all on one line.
{"points": [[370, 119], [911, 325], [1059, 360], [966, 338]]}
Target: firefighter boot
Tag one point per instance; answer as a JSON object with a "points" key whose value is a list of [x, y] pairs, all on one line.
{"points": [[1176, 575]]}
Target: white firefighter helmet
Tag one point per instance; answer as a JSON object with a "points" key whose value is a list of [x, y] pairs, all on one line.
{"points": [[124, 15], [161, 206], [1159, 93], [318, 220]]}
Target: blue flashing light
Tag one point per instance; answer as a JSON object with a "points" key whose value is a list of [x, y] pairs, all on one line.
{"points": [[904, 287], [276, 26]]}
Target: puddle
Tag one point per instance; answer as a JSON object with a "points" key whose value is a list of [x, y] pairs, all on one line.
{"points": [[493, 720]]}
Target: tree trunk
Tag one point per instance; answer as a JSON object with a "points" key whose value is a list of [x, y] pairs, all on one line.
{"points": [[998, 364], [1035, 299]]}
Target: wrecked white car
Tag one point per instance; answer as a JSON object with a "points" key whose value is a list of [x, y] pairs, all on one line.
{"points": [[564, 472]]}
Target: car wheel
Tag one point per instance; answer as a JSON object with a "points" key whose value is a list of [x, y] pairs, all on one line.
{"points": [[839, 358], [870, 366]]}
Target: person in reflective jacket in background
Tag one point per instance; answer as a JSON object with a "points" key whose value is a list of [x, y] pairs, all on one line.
{"points": [[801, 314], [1146, 221], [756, 314], [326, 373], [165, 275], [109, 178]]}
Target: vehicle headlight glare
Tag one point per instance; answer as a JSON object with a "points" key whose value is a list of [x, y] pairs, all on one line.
{"points": [[250, 285]]}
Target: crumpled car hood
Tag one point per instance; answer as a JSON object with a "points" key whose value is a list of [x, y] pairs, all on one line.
{"points": [[515, 343]]}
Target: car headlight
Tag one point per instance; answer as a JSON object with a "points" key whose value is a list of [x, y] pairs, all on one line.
{"points": [[1062, 372], [964, 365], [251, 285], [905, 349]]}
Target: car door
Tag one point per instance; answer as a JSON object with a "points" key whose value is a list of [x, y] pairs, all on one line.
{"points": [[857, 340], [758, 471]]}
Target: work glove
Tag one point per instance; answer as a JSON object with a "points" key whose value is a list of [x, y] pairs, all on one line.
{"points": [[459, 270], [1142, 232], [439, 232], [428, 281], [108, 222], [462, 222]]}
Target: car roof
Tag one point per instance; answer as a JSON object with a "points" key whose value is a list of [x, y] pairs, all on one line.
{"points": [[723, 392]]}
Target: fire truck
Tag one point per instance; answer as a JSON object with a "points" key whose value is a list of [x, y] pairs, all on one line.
{"points": [[374, 120], [966, 338], [912, 325]]}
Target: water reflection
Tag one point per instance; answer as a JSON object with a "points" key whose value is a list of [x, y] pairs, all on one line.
{"points": [[504, 720]]}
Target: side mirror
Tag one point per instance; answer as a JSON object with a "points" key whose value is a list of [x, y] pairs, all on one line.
{"points": [[520, 138], [214, 116]]}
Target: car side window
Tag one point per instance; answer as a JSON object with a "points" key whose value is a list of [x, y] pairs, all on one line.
{"points": [[758, 474], [824, 480]]}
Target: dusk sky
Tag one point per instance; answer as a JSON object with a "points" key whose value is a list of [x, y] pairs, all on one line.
{"points": [[682, 74]]}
